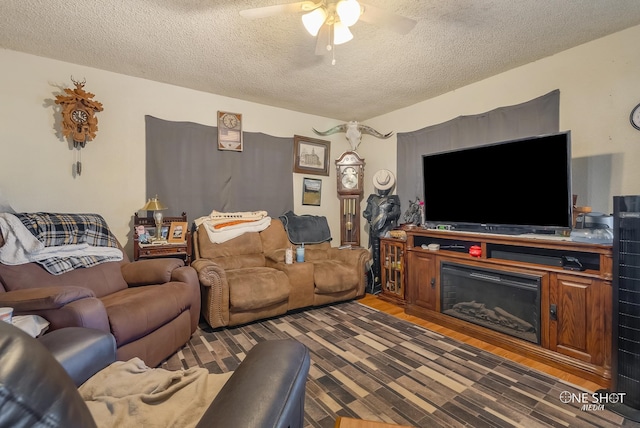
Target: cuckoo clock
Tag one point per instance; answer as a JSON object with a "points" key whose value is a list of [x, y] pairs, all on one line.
{"points": [[78, 116]]}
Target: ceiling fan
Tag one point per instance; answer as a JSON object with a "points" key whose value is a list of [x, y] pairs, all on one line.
{"points": [[329, 20]]}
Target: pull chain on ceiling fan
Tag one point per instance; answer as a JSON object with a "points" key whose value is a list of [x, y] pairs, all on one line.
{"points": [[329, 21]]}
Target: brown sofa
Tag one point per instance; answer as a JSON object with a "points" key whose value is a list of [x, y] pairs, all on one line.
{"points": [[150, 306], [246, 278]]}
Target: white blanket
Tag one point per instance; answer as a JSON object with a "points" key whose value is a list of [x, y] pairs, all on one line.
{"points": [[21, 246], [254, 221], [130, 394], [220, 217], [33, 325]]}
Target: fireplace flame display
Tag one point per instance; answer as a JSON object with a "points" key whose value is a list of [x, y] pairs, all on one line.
{"points": [[496, 316], [504, 302]]}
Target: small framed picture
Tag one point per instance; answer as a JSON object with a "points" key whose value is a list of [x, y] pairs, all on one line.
{"points": [[177, 232], [310, 155], [145, 234], [311, 191], [164, 232]]}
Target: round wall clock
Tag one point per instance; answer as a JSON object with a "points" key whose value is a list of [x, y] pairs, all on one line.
{"points": [[634, 117], [230, 120]]}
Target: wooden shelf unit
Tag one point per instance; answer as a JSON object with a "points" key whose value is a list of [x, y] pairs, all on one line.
{"points": [[575, 305], [392, 270]]}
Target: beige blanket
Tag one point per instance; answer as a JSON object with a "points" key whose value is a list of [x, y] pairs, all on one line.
{"points": [[130, 394]]}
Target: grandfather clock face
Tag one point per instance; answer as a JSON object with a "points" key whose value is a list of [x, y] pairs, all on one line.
{"points": [[350, 174], [350, 182]]}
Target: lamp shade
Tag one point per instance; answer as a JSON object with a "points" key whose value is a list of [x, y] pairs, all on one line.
{"points": [[153, 204], [349, 11], [313, 20], [341, 33]]}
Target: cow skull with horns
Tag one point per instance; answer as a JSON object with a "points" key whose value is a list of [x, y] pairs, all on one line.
{"points": [[353, 132]]}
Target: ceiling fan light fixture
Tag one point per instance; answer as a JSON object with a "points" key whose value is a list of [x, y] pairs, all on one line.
{"points": [[341, 33], [349, 11], [313, 20]]}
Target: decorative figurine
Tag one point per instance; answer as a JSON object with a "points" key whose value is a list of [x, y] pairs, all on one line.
{"points": [[413, 214]]}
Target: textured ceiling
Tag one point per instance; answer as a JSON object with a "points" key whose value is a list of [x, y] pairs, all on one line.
{"points": [[206, 45]]}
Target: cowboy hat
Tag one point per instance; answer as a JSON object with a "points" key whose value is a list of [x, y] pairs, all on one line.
{"points": [[384, 180]]}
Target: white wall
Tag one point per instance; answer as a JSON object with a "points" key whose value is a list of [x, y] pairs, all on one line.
{"points": [[36, 169], [598, 84]]}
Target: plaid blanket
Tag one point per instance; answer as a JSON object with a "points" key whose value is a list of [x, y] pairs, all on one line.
{"points": [[58, 230]]}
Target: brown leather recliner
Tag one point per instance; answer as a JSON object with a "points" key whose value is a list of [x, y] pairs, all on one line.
{"points": [[266, 390], [246, 278], [152, 307]]}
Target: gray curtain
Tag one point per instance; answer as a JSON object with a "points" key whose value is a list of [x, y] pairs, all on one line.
{"points": [[536, 117], [188, 173]]}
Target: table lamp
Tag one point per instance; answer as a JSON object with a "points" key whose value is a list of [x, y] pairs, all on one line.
{"points": [[156, 206]]}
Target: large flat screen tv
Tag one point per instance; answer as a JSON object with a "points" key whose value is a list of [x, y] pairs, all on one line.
{"points": [[517, 186]]}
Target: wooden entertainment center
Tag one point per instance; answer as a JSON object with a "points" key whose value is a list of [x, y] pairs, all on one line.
{"points": [[575, 294]]}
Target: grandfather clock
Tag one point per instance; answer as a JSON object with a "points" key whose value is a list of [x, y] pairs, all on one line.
{"points": [[350, 175]]}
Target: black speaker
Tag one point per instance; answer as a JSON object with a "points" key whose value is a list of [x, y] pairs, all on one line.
{"points": [[626, 305]]}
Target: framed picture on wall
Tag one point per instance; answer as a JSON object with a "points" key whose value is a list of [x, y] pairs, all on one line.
{"points": [[311, 191], [177, 232], [310, 155]]}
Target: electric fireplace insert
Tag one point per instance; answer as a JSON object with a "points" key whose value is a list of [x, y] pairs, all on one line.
{"points": [[506, 302]]}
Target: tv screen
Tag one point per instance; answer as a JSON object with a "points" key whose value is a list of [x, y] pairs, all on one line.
{"points": [[516, 186]]}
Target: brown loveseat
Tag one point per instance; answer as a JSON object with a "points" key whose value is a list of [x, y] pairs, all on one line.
{"points": [[150, 306], [246, 278]]}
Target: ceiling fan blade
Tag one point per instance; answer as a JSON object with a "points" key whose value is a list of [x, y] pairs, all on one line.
{"points": [[323, 39], [278, 9], [395, 22]]}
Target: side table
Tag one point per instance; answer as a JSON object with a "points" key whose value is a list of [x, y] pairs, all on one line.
{"points": [[155, 249]]}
